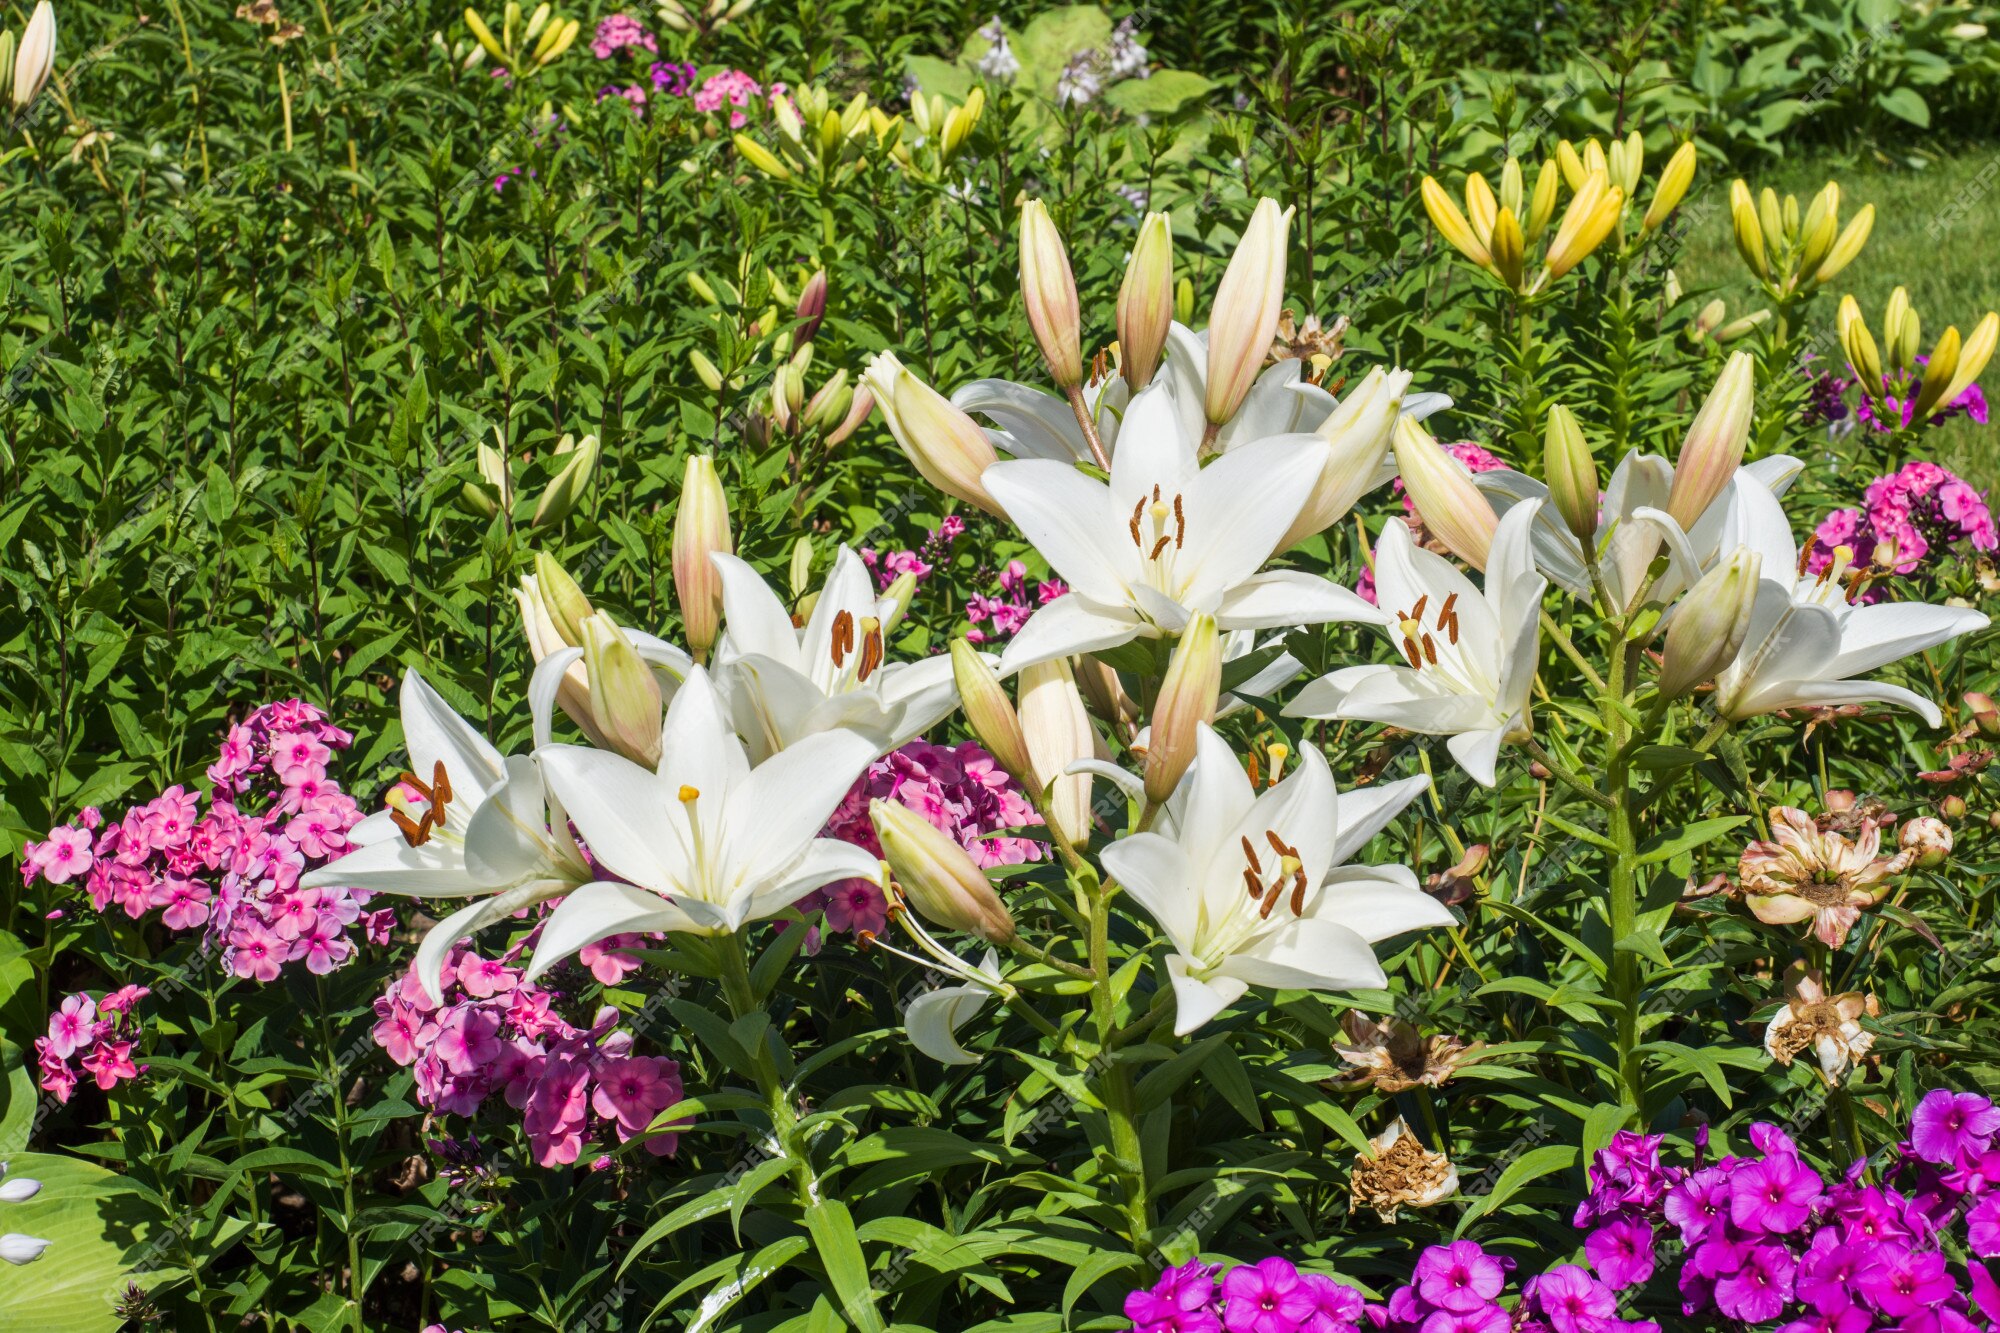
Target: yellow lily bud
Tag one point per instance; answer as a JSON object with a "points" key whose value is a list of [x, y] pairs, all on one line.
{"points": [[1590, 218], [760, 157], [1711, 623], [1507, 246], [1715, 442], [1901, 331], [1972, 357], [1635, 164], [1573, 171], [1511, 196], [1451, 223], [701, 531], [1771, 217], [1859, 345], [938, 875], [946, 446], [1048, 290], [1244, 318], [1848, 246], [1938, 373], [1480, 207], [1542, 208], [1594, 161], [1672, 187], [1750, 238], [1572, 474], [1184, 300], [705, 371], [484, 35], [1146, 301], [1452, 508]]}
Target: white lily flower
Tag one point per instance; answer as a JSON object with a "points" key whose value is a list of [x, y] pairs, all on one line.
{"points": [[706, 841], [1029, 422], [1166, 538], [1807, 639], [783, 683], [1471, 655], [933, 1019], [1632, 524], [487, 829], [1252, 888]]}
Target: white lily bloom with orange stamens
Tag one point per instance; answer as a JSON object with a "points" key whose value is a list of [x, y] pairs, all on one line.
{"points": [[479, 825], [1808, 637], [783, 683], [1165, 538], [1252, 888], [1469, 655], [704, 842]]}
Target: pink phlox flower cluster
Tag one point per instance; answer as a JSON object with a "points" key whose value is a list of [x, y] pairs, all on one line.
{"points": [[1921, 510], [958, 788], [892, 565], [233, 872], [1011, 609], [1766, 1238], [92, 1036], [621, 32], [672, 77], [497, 1034], [738, 90]]}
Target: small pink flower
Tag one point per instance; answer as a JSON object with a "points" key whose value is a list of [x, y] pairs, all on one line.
{"points": [[71, 1025], [855, 905], [482, 977], [65, 855], [108, 1062]]}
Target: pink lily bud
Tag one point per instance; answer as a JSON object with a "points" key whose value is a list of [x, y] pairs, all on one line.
{"points": [[1188, 696], [701, 530], [1146, 301], [1247, 306], [940, 878], [946, 446], [1715, 442], [1048, 290], [1452, 508]]}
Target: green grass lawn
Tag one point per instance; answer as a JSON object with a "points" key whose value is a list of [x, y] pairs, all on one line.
{"points": [[1937, 232]]}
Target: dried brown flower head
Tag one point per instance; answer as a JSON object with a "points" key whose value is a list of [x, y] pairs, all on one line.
{"points": [[1399, 1172], [1827, 1025], [1393, 1057], [1808, 874]]}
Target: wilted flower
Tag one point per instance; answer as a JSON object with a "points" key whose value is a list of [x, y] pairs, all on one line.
{"points": [[1827, 1025], [1393, 1057], [1806, 874], [1399, 1172]]}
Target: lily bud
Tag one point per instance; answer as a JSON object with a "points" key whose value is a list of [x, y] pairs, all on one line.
{"points": [[1713, 620], [1848, 246], [798, 573], [1938, 372], [1481, 208], [857, 412], [990, 713], [1707, 319], [1985, 713], [1512, 195], [1452, 508], [1972, 357], [625, 700], [1244, 319], [705, 371], [1675, 178], [1749, 235], [483, 35], [35, 60], [1819, 227], [701, 530], [1146, 301], [559, 497], [1542, 207], [1572, 474], [812, 302], [1451, 223], [1584, 227], [1188, 696], [1771, 216], [1902, 331], [1184, 300], [1737, 328], [1857, 343], [1359, 430], [1048, 290], [1102, 692], [937, 875], [1572, 166], [828, 407], [1715, 442], [1507, 246], [946, 446], [902, 590], [1058, 733], [567, 606]]}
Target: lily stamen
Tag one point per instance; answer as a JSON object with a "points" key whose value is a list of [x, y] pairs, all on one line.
{"points": [[842, 638], [871, 648]]}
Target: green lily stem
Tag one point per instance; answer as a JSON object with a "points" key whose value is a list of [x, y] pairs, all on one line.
{"points": [[1128, 1160], [1625, 978], [1555, 631], [743, 1000]]}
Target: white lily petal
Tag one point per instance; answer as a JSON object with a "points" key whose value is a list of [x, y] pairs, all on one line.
{"points": [[1157, 874], [1070, 624], [432, 732], [598, 911], [1197, 1001], [466, 921]]}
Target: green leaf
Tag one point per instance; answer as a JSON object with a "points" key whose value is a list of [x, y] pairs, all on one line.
{"points": [[1530, 1165], [1906, 104]]}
